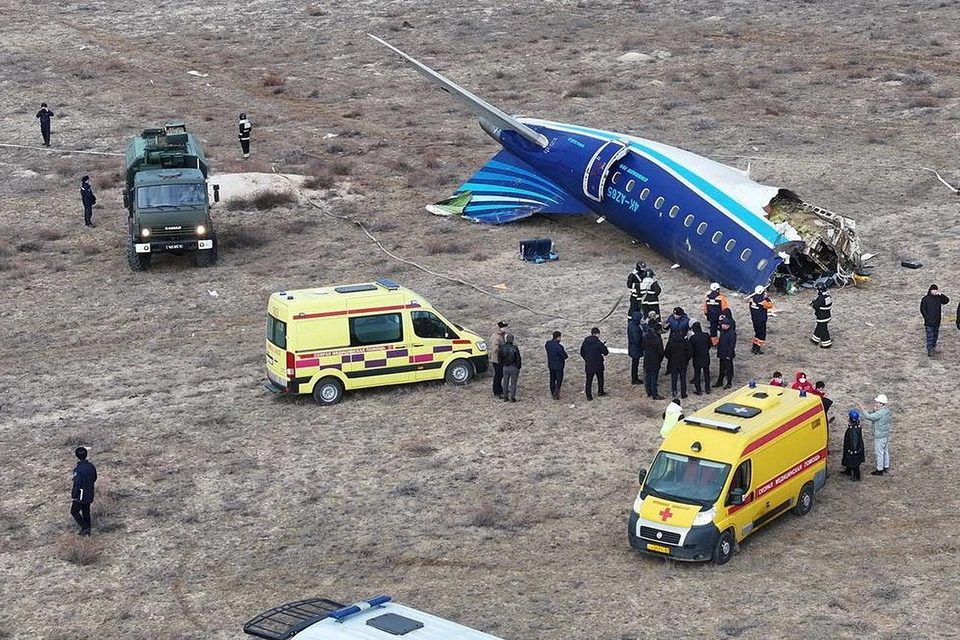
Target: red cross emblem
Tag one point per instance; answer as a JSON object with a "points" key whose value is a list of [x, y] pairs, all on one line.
{"points": [[666, 514]]}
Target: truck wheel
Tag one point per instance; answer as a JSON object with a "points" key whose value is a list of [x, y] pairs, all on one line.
{"points": [[207, 257], [328, 391], [137, 261], [723, 550], [804, 500], [459, 372]]}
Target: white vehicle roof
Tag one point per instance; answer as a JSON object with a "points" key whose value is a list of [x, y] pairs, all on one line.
{"points": [[374, 619]]}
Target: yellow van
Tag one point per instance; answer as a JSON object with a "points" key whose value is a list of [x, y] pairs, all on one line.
{"points": [[727, 470], [326, 340]]}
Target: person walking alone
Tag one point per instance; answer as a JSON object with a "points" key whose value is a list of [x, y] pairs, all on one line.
{"points": [[931, 308], [510, 361], [822, 310], [88, 199], [84, 477], [880, 417], [496, 341], [556, 360], [244, 130], [759, 305], [45, 114], [592, 351]]}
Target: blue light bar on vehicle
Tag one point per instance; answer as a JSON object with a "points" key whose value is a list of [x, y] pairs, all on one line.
{"points": [[357, 607], [387, 282]]}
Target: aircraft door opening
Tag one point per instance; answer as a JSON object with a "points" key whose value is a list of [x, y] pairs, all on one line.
{"points": [[595, 175]]}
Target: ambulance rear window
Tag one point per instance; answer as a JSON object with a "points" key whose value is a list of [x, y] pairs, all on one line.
{"points": [[738, 410], [277, 332]]}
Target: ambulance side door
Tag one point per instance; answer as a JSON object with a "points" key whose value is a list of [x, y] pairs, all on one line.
{"points": [[376, 350], [744, 516], [431, 343]]}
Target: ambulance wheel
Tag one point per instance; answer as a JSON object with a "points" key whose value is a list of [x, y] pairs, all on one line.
{"points": [[804, 500], [723, 550], [328, 391], [459, 372], [137, 261]]}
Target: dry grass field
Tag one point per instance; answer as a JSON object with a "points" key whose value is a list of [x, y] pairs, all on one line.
{"points": [[218, 500]]}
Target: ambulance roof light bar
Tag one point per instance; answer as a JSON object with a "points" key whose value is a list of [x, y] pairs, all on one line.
{"points": [[387, 283], [713, 424], [357, 607]]}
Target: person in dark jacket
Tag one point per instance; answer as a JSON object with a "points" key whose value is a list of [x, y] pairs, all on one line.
{"points": [[88, 199], [510, 361], [713, 306], [759, 305], [678, 323], [652, 358], [726, 351], [556, 359], [650, 293], [931, 307], [700, 344], [822, 310], [84, 477], [244, 128], [678, 354], [634, 278], [592, 351], [635, 345], [853, 449], [45, 114]]}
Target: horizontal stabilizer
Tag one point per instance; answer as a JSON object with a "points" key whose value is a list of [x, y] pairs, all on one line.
{"points": [[507, 189]]}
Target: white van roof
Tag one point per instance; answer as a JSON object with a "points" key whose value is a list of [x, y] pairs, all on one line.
{"points": [[375, 619]]}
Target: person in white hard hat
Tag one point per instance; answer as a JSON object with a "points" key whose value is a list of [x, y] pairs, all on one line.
{"points": [[713, 306], [759, 306], [880, 417]]}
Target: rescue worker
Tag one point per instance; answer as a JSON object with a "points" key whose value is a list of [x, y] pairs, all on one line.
{"points": [[556, 360], [726, 351], [511, 363], [713, 306], [496, 341], [671, 416], [802, 383], [592, 351], [777, 380], [635, 345], [45, 114], [634, 278], [700, 344], [822, 305], [244, 134], [650, 293], [853, 449], [931, 306], [759, 305], [84, 477], [88, 199]]}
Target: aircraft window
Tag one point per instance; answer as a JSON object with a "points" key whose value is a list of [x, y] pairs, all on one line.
{"points": [[717, 237], [762, 264], [674, 210], [658, 202], [630, 185], [730, 244], [745, 255], [644, 194], [616, 176], [688, 221], [701, 228]]}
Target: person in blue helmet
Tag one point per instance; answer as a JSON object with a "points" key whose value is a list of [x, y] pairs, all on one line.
{"points": [[853, 450]]}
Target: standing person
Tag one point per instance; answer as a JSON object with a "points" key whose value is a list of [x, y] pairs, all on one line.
{"points": [[931, 306], [592, 351], [510, 361], [678, 323], [634, 278], [820, 389], [635, 346], [700, 344], [678, 354], [671, 416], [853, 449], [652, 358], [496, 341], [880, 417], [244, 130], [760, 305], [802, 383], [88, 199], [556, 359], [822, 309], [726, 351], [84, 477], [713, 306], [45, 114], [777, 380], [650, 293]]}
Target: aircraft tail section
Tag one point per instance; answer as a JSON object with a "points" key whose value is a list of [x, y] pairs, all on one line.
{"points": [[507, 189]]}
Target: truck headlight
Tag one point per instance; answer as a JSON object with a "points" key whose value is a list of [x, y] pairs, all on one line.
{"points": [[145, 233], [638, 503], [201, 229], [705, 517], [482, 345]]}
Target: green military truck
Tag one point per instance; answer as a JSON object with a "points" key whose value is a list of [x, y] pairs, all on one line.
{"points": [[166, 197]]}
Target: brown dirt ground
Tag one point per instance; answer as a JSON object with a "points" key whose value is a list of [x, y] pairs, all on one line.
{"points": [[218, 500]]}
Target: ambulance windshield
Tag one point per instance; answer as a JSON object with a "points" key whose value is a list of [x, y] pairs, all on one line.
{"points": [[686, 479]]}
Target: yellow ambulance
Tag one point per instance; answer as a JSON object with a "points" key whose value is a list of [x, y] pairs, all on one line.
{"points": [[727, 470], [326, 340]]}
